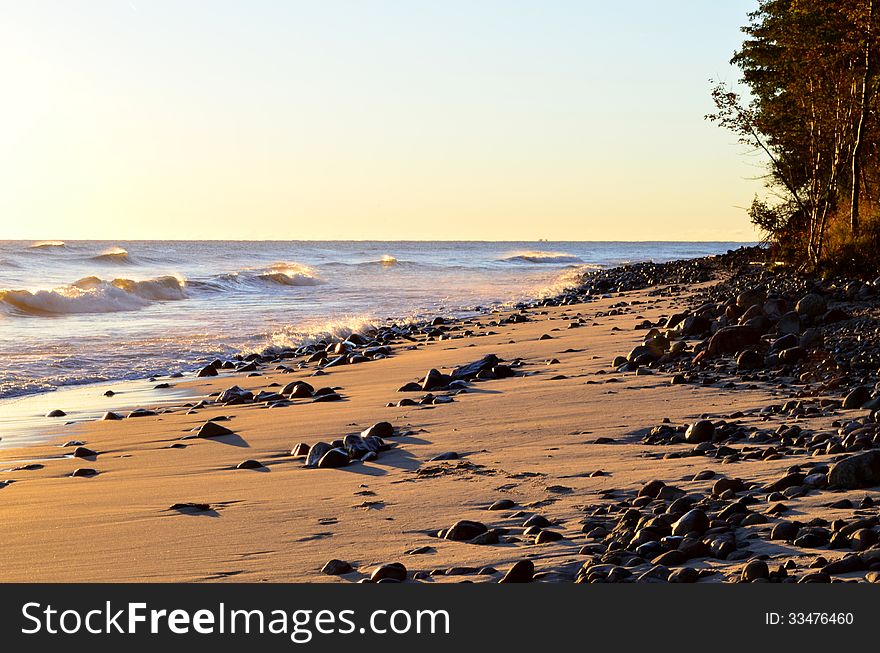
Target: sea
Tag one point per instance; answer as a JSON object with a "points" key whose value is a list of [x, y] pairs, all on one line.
{"points": [[84, 312]]}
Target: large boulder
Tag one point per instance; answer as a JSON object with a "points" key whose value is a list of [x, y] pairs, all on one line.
{"points": [[862, 470]]}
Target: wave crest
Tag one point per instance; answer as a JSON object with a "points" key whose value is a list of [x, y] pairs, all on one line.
{"points": [[47, 244], [115, 255], [289, 274], [93, 295], [542, 257]]}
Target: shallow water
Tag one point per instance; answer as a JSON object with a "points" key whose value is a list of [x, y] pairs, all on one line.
{"points": [[87, 311]]}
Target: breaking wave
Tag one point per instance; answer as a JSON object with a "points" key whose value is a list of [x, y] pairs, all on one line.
{"points": [[93, 295], [571, 278], [47, 244], [542, 257], [114, 255], [292, 337]]}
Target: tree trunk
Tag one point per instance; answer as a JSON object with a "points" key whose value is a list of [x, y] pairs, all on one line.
{"points": [[863, 114]]}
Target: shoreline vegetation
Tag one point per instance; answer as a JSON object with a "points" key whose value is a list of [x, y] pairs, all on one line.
{"points": [[708, 420], [809, 106]]}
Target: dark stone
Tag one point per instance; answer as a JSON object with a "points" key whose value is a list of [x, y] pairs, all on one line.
{"points": [[392, 570], [380, 429], [336, 568], [334, 458], [700, 431], [857, 398], [731, 339], [464, 530], [862, 470], [522, 571], [693, 521], [755, 570], [212, 429]]}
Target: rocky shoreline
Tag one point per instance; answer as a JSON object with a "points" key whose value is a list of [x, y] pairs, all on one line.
{"points": [[784, 492]]}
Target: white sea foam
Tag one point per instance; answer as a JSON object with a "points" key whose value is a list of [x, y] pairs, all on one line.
{"points": [[292, 337], [566, 280], [93, 295], [541, 257]]}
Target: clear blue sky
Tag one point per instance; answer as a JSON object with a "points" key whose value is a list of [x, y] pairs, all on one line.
{"points": [[454, 119]]}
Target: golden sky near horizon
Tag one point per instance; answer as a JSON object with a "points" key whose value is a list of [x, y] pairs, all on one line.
{"points": [[495, 120]]}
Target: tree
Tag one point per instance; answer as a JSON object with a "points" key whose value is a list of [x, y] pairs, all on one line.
{"points": [[809, 66]]}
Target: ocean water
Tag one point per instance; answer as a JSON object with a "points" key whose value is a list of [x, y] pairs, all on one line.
{"points": [[88, 311]]}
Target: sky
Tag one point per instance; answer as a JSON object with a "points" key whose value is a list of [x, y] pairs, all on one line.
{"points": [[370, 119]]}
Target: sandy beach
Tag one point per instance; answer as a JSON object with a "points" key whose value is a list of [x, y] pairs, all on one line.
{"points": [[530, 439]]}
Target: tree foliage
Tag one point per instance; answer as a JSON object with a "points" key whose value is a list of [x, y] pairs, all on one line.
{"points": [[810, 69]]}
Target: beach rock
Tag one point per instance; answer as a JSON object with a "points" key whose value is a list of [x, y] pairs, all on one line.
{"points": [[755, 570], [300, 449], [389, 571], [249, 464], [434, 380], [447, 455], [207, 370], [334, 458], [56, 413], [336, 568], [190, 506], [83, 452], [731, 339], [380, 430], [789, 480], [296, 389], [502, 504], [750, 298], [538, 521], [693, 521], [651, 488], [749, 360], [471, 370], [522, 571], [464, 530], [83, 472], [789, 323], [811, 305], [858, 471], [785, 530], [111, 416], [211, 429], [700, 431], [489, 537], [355, 446], [545, 536], [331, 396], [316, 451], [142, 412], [857, 398]]}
